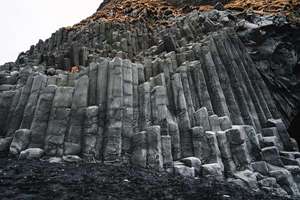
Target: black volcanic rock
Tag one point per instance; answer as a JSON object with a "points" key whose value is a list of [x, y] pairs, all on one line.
{"points": [[152, 86]]}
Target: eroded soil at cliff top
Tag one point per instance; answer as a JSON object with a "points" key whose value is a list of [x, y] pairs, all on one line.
{"points": [[158, 10]]}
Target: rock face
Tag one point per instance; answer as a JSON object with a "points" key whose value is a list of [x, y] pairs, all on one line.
{"points": [[121, 92]]}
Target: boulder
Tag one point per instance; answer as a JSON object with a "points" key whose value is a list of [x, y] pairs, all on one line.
{"points": [[260, 167], [20, 141], [285, 179], [31, 153], [184, 171], [248, 177], [268, 182], [193, 162], [271, 155], [238, 182], [71, 158], [225, 123], [212, 170], [55, 160]]}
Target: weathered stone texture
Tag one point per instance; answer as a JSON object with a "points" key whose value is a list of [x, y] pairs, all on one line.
{"points": [[186, 97]]}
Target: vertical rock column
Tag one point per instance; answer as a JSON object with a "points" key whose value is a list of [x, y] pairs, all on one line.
{"points": [[240, 155], [92, 141], [159, 105], [93, 73], [215, 90], [38, 84], [6, 99], [113, 134], [41, 117], [226, 156], [206, 146], [138, 77], [252, 143], [148, 68], [175, 139], [266, 99], [139, 149], [102, 86], [230, 65], [192, 85], [282, 132], [235, 114], [262, 112], [128, 120], [154, 154], [73, 139], [58, 122], [254, 106], [12, 108], [201, 87], [168, 70], [161, 116], [144, 106], [187, 93], [166, 146], [18, 111], [184, 123], [201, 118]]}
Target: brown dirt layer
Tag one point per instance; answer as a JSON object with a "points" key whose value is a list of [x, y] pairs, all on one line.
{"points": [[121, 10]]}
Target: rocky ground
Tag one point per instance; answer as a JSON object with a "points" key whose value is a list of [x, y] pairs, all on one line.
{"points": [[24, 180]]}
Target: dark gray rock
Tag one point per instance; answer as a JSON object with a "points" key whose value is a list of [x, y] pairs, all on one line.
{"points": [[20, 141]]}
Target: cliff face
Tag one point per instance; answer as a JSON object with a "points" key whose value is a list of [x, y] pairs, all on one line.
{"points": [[149, 82]]}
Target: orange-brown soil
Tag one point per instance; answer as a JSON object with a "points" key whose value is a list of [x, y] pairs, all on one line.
{"points": [[154, 11]]}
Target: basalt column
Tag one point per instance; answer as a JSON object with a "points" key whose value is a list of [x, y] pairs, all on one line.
{"points": [[58, 122], [72, 143], [113, 133], [41, 117]]}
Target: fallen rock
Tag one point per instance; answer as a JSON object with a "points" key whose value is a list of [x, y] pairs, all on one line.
{"points": [[55, 160], [285, 180], [192, 162], [212, 170], [260, 167], [31, 153], [271, 155], [71, 158], [20, 141], [184, 171], [249, 178]]}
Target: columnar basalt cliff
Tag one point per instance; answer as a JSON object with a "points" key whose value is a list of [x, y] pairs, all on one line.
{"points": [[198, 93]]}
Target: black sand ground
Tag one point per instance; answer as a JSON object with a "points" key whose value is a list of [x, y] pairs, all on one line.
{"points": [[24, 180]]}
